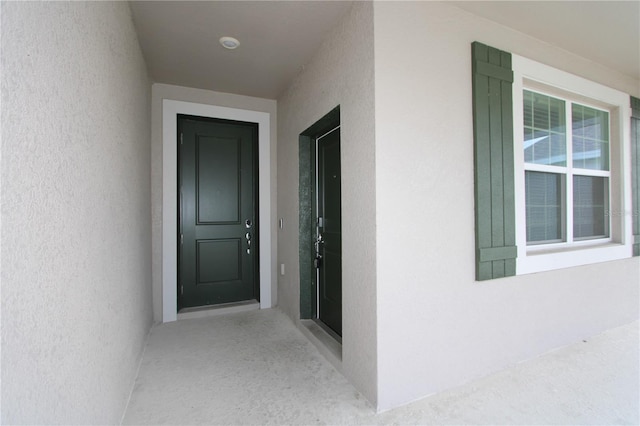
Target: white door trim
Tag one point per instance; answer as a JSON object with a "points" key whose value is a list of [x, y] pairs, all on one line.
{"points": [[170, 110]]}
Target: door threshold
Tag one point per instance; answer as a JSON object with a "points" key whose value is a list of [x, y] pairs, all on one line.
{"points": [[221, 309], [326, 343], [328, 330]]}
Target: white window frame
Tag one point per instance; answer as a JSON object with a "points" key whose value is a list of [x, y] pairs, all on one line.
{"points": [[537, 77]]}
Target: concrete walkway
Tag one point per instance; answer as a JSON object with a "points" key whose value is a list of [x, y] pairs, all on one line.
{"points": [[257, 368]]}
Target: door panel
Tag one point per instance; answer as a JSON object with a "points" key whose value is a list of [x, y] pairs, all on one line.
{"points": [[217, 180], [218, 186], [330, 229], [218, 261]]}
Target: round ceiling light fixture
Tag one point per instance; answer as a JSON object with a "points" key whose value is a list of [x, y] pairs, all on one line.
{"points": [[229, 42]]}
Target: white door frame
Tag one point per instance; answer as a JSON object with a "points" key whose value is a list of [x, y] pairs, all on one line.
{"points": [[170, 110]]}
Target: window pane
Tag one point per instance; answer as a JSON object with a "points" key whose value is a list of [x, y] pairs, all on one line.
{"points": [[543, 195], [556, 115], [542, 148], [540, 111], [590, 204], [528, 111], [558, 150], [528, 153], [544, 129], [590, 138]]}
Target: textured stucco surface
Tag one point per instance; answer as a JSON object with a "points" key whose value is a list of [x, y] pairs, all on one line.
{"points": [[256, 368], [206, 97], [437, 327], [341, 73], [76, 237]]}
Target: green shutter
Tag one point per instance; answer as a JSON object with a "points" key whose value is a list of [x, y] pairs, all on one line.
{"points": [[493, 161], [635, 173]]}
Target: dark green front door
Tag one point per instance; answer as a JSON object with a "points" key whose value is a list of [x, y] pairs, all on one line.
{"points": [[217, 241], [329, 231]]}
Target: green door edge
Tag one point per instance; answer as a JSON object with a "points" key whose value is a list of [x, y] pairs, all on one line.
{"points": [[306, 159]]}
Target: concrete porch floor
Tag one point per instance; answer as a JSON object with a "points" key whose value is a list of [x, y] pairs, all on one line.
{"points": [[257, 368]]}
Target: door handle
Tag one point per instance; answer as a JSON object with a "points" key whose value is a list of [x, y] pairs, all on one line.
{"points": [[318, 242], [317, 262]]}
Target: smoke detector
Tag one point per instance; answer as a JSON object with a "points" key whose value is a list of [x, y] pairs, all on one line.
{"points": [[229, 42]]}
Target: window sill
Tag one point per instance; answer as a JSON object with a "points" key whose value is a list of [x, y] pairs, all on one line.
{"points": [[539, 260], [562, 248]]}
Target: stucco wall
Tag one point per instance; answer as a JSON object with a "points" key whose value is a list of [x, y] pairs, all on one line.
{"points": [[437, 327], [206, 97], [76, 238], [340, 73]]}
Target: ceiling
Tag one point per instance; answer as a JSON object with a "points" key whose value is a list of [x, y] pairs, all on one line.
{"points": [[179, 39], [607, 32]]}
